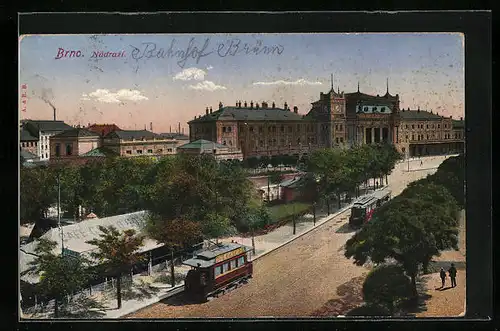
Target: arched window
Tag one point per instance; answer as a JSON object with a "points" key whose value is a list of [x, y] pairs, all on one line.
{"points": [[69, 149]]}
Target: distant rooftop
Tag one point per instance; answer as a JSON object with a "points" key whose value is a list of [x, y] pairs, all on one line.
{"points": [[249, 114], [202, 144], [25, 135], [416, 115], [178, 136], [76, 132], [133, 134], [46, 125], [99, 152]]}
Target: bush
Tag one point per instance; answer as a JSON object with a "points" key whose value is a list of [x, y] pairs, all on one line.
{"points": [[165, 278], [387, 286]]}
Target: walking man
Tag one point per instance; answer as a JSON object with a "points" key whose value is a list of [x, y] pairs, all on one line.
{"points": [[421, 163], [453, 275], [442, 274]]}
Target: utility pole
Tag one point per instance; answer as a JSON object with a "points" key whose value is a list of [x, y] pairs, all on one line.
{"points": [[59, 211]]}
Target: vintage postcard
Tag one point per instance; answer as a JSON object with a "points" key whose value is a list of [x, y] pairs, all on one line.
{"points": [[242, 175]]}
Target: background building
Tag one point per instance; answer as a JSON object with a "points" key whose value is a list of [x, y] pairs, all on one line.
{"points": [[426, 133], [73, 143], [256, 130], [139, 142], [43, 130]]}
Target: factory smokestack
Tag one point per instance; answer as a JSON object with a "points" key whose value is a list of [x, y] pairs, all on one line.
{"points": [[151, 126], [54, 112], [179, 131], [170, 129]]}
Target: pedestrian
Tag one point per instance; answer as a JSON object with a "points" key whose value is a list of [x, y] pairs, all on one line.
{"points": [[442, 274], [453, 275], [421, 163]]}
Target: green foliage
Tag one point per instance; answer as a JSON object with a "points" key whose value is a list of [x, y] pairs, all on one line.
{"points": [[387, 286], [174, 233], [451, 174], [118, 250], [284, 211], [60, 275], [411, 228], [38, 190]]}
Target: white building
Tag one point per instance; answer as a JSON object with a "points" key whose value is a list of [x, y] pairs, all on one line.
{"points": [[43, 130]]}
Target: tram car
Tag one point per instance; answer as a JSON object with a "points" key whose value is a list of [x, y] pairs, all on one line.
{"points": [[214, 271], [362, 210]]}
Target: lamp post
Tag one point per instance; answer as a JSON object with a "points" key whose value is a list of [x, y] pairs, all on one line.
{"points": [[316, 180], [294, 218], [59, 211]]}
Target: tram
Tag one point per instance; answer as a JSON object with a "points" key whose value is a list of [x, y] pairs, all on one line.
{"points": [[362, 210], [216, 270]]}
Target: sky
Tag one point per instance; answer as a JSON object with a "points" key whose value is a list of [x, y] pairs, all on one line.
{"points": [[169, 79]]}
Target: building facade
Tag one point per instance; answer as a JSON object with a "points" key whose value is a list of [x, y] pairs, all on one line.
{"points": [[73, 143], [43, 131], [347, 119], [426, 133], [256, 130], [336, 120], [130, 143], [28, 142]]}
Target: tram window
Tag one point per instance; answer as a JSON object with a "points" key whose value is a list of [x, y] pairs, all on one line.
{"points": [[233, 264], [225, 267], [241, 261], [218, 271]]}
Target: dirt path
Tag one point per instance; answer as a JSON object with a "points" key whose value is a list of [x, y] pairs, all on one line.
{"points": [[292, 281], [443, 302]]}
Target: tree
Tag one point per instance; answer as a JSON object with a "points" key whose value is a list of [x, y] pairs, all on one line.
{"points": [[410, 229], [174, 234], [38, 190], [60, 275], [386, 286], [118, 251]]}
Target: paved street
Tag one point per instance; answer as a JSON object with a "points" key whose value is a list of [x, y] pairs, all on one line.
{"points": [[296, 279]]}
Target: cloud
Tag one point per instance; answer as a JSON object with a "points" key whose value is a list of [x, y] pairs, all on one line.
{"points": [[107, 96], [207, 86], [284, 82], [191, 74], [210, 68]]}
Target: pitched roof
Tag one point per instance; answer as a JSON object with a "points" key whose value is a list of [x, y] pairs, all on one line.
{"points": [[103, 129], [76, 237], [47, 125], [415, 115], [25, 135], [178, 136], [249, 114], [99, 152], [136, 134], [76, 132], [458, 124], [27, 155], [292, 183], [202, 144]]}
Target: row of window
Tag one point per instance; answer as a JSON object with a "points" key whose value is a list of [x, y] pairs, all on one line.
{"points": [[149, 151], [339, 140], [29, 144], [421, 126], [338, 127], [432, 136], [374, 109], [226, 267], [273, 142]]}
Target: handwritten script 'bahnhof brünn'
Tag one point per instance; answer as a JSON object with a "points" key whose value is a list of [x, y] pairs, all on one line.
{"points": [[195, 51]]}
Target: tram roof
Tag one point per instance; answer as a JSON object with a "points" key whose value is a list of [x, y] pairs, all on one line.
{"points": [[206, 258]]}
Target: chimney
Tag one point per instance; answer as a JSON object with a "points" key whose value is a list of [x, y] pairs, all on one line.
{"points": [[461, 118], [274, 105], [245, 104], [286, 106], [264, 104], [256, 105], [220, 104], [418, 109], [170, 129], [151, 126], [206, 111], [450, 116], [180, 127], [295, 109], [210, 109], [239, 104], [54, 112], [251, 104]]}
